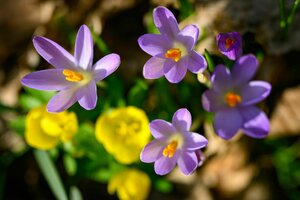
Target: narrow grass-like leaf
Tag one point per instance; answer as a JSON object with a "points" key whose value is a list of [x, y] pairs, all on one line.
{"points": [[210, 62], [50, 173], [75, 193]]}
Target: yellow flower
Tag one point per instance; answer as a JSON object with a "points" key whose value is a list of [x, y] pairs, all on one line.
{"points": [[130, 184], [123, 132], [44, 130]]}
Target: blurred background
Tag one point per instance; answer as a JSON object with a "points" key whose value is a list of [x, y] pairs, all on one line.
{"points": [[243, 168]]}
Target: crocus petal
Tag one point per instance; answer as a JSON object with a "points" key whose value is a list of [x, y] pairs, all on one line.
{"points": [[177, 72], [106, 66], [221, 79], [194, 141], [154, 68], [188, 36], [151, 151], [212, 101], [254, 92], [165, 21], [227, 122], [84, 48], [168, 65], [62, 100], [87, 96], [196, 62], [182, 120], [154, 44], [53, 53], [164, 165], [161, 128], [188, 162], [244, 69], [50, 79], [256, 123]]}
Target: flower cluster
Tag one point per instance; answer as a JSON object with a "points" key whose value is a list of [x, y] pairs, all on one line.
{"points": [[125, 132]]}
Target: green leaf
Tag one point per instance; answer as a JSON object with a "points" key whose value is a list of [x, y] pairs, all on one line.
{"points": [[137, 93], [43, 96], [50, 173], [101, 45], [28, 102], [75, 193], [18, 125], [163, 186], [70, 164], [210, 62], [186, 9]]}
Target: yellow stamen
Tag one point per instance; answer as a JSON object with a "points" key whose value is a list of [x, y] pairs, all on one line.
{"points": [[72, 76], [170, 149], [229, 42], [232, 99], [174, 54]]}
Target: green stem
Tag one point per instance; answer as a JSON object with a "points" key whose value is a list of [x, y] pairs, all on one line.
{"points": [[292, 13], [283, 24], [50, 173]]}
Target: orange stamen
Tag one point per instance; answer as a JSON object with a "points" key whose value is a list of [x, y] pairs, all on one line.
{"points": [[229, 42], [232, 99], [170, 149], [174, 54], [72, 76]]}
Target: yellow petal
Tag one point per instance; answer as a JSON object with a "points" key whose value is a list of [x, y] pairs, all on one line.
{"points": [[34, 134], [123, 132]]}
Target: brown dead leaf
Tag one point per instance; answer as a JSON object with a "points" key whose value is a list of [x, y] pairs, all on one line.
{"points": [[286, 116]]}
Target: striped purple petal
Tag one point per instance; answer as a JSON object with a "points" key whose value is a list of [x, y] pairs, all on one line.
{"points": [[196, 62], [177, 72], [187, 162], [256, 123], [163, 165], [188, 36], [154, 68], [165, 21], [161, 128], [87, 95], [84, 48], [106, 66], [194, 141], [62, 100], [221, 79], [227, 122], [182, 120], [152, 151], [155, 44], [50, 79], [254, 92], [244, 69], [53, 53]]}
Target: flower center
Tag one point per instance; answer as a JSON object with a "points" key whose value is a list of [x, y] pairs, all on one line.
{"points": [[125, 129], [170, 149], [174, 53], [229, 42], [232, 99], [72, 76]]}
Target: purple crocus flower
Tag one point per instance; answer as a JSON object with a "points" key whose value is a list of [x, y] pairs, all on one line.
{"points": [[174, 143], [172, 50], [232, 98], [74, 76], [230, 44]]}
